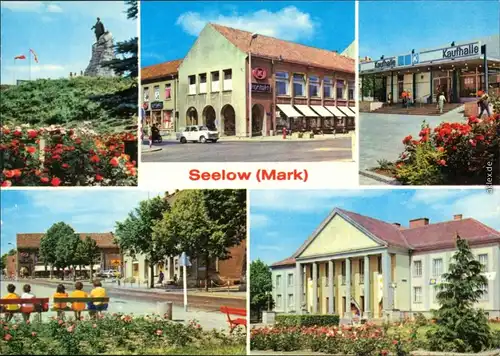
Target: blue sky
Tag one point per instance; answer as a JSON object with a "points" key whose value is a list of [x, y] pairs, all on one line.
{"points": [[87, 210], [169, 29], [281, 220], [396, 27], [59, 32]]}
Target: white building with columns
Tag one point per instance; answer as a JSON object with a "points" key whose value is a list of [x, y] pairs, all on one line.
{"points": [[356, 265]]}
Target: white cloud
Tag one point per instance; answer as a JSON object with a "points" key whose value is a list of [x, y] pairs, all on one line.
{"points": [[288, 23], [31, 6], [435, 195], [269, 248], [54, 8], [259, 220]]}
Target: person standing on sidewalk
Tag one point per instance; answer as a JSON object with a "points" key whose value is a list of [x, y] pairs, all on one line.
{"points": [[149, 127], [484, 104]]}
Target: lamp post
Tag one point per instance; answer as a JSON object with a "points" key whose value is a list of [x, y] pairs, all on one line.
{"points": [[254, 36]]}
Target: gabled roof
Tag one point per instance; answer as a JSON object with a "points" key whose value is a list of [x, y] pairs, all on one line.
{"points": [[271, 47], [286, 262], [103, 240], [158, 71]]}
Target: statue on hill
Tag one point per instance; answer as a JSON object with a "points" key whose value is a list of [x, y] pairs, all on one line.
{"points": [[98, 29]]}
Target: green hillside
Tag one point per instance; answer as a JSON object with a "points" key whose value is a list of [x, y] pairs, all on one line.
{"points": [[110, 103]]}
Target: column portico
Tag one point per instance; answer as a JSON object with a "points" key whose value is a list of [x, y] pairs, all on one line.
{"points": [[315, 288], [348, 313], [331, 279], [366, 308], [299, 285], [388, 299]]}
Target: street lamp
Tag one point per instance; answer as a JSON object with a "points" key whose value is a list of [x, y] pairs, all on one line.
{"points": [[254, 36]]}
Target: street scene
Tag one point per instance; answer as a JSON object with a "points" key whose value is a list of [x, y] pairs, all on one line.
{"points": [[374, 272], [429, 99], [234, 85], [171, 266], [69, 92]]}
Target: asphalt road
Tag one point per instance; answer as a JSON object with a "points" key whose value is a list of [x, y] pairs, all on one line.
{"points": [[245, 151]]}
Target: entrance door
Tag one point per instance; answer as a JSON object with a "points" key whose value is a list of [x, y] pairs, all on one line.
{"points": [[441, 85]]}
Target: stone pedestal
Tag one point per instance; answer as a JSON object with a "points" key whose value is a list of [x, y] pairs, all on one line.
{"points": [[268, 317], [102, 51]]}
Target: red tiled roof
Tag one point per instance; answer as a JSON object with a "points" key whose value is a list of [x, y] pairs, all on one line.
{"points": [[293, 52], [103, 240], [286, 262], [161, 70]]}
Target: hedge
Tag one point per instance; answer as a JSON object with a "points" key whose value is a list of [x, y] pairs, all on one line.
{"points": [[307, 320]]}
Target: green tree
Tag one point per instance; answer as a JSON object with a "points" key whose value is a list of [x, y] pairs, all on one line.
{"points": [[3, 262], [261, 287], [66, 249], [88, 253], [204, 224], [134, 235], [461, 327], [49, 242], [12, 252]]}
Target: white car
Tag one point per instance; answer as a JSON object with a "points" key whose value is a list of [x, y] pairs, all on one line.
{"points": [[197, 133]]}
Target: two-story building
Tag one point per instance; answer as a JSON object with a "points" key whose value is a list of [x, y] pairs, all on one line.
{"points": [[357, 265], [28, 253], [159, 84], [247, 84]]}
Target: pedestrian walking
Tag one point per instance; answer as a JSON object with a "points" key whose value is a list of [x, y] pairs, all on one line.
{"points": [[441, 101], [484, 105], [150, 134]]}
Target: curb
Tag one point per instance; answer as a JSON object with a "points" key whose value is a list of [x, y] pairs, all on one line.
{"points": [[379, 177], [152, 150]]}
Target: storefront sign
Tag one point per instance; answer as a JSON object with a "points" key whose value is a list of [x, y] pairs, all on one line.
{"points": [[261, 88], [259, 73], [466, 50], [157, 105], [385, 63]]}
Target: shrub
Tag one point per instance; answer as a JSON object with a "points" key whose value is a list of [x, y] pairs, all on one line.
{"points": [[420, 319], [307, 320]]}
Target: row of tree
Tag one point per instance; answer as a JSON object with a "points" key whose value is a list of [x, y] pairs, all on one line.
{"points": [[62, 248], [204, 224]]}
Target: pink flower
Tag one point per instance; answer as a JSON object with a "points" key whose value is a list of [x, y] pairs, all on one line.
{"points": [[7, 337], [94, 326], [159, 332], [33, 334], [60, 321]]}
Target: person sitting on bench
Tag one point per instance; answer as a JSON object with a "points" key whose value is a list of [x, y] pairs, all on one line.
{"points": [[27, 309], [78, 293], [11, 307], [60, 293], [97, 292]]}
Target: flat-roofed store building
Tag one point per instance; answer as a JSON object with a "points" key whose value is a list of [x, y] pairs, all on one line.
{"points": [[292, 85]]}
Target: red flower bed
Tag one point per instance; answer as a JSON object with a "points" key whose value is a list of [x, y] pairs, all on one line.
{"points": [[451, 153], [56, 156]]}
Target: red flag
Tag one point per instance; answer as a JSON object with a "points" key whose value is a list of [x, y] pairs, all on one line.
{"points": [[34, 55], [21, 56]]}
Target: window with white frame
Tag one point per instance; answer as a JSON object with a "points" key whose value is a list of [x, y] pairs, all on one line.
{"points": [[484, 288], [327, 87], [282, 83], [417, 268], [192, 84], [278, 281], [437, 267], [483, 260], [203, 83], [145, 93], [278, 301], [228, 79], [340, 89], [351, 91], [215, 81], [290, 300], [157, 92], [417, 294], [299, 84], [313, 86], [290, 279]]}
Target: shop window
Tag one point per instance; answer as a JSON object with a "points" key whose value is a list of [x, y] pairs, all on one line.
{"points": [[351, 91], [299, 84], [215, 81], [327, 87], [157, 92], [203, 83], [168, 93], [146, 94], [340, 89], [192, 84], [282, 83], [228, 79], [313, 86]]}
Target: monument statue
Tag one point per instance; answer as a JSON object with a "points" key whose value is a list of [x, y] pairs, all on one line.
{"points": [[98, 29]]}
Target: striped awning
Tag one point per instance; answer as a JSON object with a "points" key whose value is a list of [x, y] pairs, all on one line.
{"points": [[348, 112], [321, 111], [335, 111], [288, 110], [306, 111]]}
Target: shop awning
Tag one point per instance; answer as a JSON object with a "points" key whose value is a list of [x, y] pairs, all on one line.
{"points": [[288, 110], [335, 111], [306, 111], [348, 112], [352, 110], [321, 111]]}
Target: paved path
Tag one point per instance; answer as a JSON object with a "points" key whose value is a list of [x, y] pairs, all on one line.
{"points": [[134, 304], [381, 135], [339, 149]]}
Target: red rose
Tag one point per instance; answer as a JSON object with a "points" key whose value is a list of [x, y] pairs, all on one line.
{"points": [[480, 137], [6, 131], [98, 177], [56, 157], [442, 162], [17, 172], [31, 149], [407, 139], [440, 149], [94, 159], [65, 165], [44, 179], [473, 142], [7, 183], [78, 141], [32, 134], [9, 174], [7, 337], [55, 182], [17, 133], [114, 162]]}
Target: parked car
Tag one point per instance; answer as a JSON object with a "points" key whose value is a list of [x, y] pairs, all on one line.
{"points": [[109, 273], [197, 133]]}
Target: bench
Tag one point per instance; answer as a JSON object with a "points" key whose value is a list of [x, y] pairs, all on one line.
{"points": [[59, 300], [234, 323], [40, 305]]}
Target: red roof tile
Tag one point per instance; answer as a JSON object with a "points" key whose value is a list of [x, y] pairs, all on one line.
{"points": [[103, 240], [161, 70], [293, 52], [286, 262]]}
